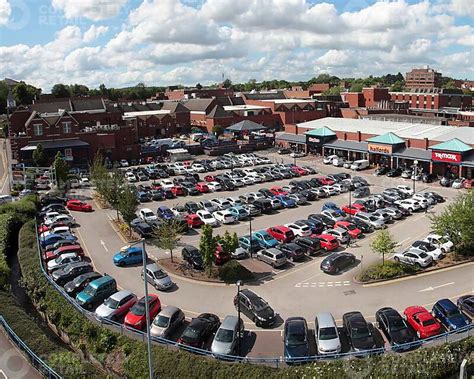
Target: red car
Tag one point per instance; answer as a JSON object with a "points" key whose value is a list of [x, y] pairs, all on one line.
{"points": [[177, 190], [422, 321], [281, 233], [45, 228], [353, 209], [219, 257], [468, 183], [210, 178], [136, 316], [78, 205], [53, 254], [328, 242], [278, 191], [325, 181], [194, 221], [299, 170], [155, 186], [202, 187], [352, 230]]}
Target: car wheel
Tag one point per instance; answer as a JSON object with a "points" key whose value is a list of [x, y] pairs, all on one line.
{"points": [[410, 210], [443, 250], [120, 264], [396, 259]]}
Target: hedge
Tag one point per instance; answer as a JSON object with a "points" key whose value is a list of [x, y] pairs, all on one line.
{"points": [[6, 221], [232, 271], [387, 270], [127, 357]]}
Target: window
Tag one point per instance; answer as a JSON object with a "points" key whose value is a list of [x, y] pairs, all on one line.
{"points": [[38, 129], [67, 127]]}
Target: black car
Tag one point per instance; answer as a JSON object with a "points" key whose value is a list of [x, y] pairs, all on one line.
{"points": [[191, 207], [395, 328], [266, 192], [316, 226], [79, 283], [314, 183], [343, 175], [466, 304], [284, 151], [337, 262], [295, 339], [308, 194], [48, 199], [382, 170], [255, 308], [428, 178], [394, 172], [189, 189], [363, 191], [141, 228], [360, 180], [227, 185], [264, 205], [192, 256], [199, 330], [311, 245], [325, 220], [362, 225], [293, 251], [70, 271], [358, 332], [437, 197], [168, 194]]}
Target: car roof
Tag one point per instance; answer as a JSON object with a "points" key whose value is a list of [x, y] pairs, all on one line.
{"points": [[169, 310], [229, 322], [121, 295], [325, 320], [102, 280], [447, 304]]}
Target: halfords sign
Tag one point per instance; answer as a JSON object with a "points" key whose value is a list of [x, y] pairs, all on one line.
{"points": [[445, 157], [379, 149]]}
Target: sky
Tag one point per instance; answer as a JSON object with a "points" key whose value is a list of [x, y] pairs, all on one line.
{"points": [[164, 42]]}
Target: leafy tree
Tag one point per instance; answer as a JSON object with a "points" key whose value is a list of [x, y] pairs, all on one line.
{"points": [[218, 130], [39, 156], [456, 222], [168, 235], [128, 205], [450, 85], [114, 189], [199, 86], [103, 90], [227, 83], [78, 90], [60, 90], [356, 87], [398, 86], [383, 244], [61, 169], [333, 91], [207, 247], [24, 93]]}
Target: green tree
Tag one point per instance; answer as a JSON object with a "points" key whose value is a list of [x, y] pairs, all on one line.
{"points": [[128, 205], [103, 90], [207, 247], [99, 176], [198, 86], [39, 156], [383, 244], [450, 85], [398, 86], [456, 222], [227, 83], [114, 188], [24, 93], [61, 169], [78, 90], [333, 91], [168, 235], [356, 87], [60, 90], [218, 130]]}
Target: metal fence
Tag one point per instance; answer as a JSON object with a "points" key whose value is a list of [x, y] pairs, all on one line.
{"points": [[35, 361], [270, 361]]}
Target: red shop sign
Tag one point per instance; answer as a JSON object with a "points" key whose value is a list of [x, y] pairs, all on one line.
{"points": [[440, 156]]}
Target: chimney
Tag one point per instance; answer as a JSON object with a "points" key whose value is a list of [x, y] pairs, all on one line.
{"points": [[359, 136]]}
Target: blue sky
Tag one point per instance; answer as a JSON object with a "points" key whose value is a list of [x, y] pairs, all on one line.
{"points": [[162, 42]]}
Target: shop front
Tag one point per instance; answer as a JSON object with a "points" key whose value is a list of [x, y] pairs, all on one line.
{"points": [[452, 158], [406, 157], [317, 138], [381, 148], [351, 150]]}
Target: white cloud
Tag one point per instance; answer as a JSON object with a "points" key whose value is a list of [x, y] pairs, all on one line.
{"points": [[334, 58], [94, 32], [462, 7], [92, 9], [5, 12]]}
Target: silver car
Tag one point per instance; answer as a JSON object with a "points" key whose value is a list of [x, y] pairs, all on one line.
{"points": [[272, 256], [116, 305], [227, 336], [157, 277], [370, 219], [327, 337], [167, 321], [393, 212], [382, 215]]}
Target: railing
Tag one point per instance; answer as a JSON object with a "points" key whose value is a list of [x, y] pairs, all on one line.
{"points": [[35, 361], [271, 361]]}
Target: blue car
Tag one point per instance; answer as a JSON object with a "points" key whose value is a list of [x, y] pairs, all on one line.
{"points": [[165, 213], [252, 247], [265, 239], [239, 212], [143, 197], [449, 315], [285, 201], [128, 256], [333, 207], [295, 339], [316, 226], [53, 238]]}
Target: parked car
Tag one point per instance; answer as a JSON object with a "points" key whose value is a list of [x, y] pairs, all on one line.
{"points": [[357, 330], [249, 245], [326, 334], [96, 292], [227, 336], [311, 245], [70, 271], [295, 339], [466, 304], [80, 282], [207, 218], [61, 261], [157, 277], [328, 242], [353, 209], [128, 255], [429, 249], [192, 257], [199, 330], [352, 230], [382, 170], [424, 324], [440, 241], [136, 316], [450, 315], [78, 205], [265, 239], [116, 305], [281, 233], [414, 257], [395, 328], [374, 221], [255, 308], [336, 262], [293, 251], [272, 256], [224, 217], [167, 322]]}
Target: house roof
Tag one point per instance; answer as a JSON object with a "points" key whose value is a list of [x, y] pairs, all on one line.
{"points": [[88, 104], [218, 112], [387, 138], [198, 105], [52, 107], [246, 125], [452, 145], [321, 132], [174, 107]]}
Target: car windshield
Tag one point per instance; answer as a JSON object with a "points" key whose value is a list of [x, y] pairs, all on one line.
{"points": [[138, 309], [296, 337], [362, 332], [373, 218], [159, 274], [443, 240], [224, 335], [397, 324], [111, 303], [90, 290], [351, 227], [207, 215], [124, 253], [327, 333], [453, 312], [267, 237], [423, 255], [161, 321]]}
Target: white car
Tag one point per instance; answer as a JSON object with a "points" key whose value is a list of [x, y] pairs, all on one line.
{"points": [[85, 182], [440, 241], [256, 178], [234, 201], [224, 217], [432, 250], [428, 198], [207, 206], [214, 186], [65, 219], [341, 234], [409, 204], [329, 159], [256, 195], [130, 177], [340, 188], [62, 260], [189, 170], [405, 189], [297, 154], [221, 203], [414, 257], [276, 204], [51, 215], [237, 182], [179, 211], [197, 167], [458, 183], [424, 203], [248, 180], [330, 190], [147, 215], [299, 230], [207, 218], [124, 163], [166, 183], [333, 215]]}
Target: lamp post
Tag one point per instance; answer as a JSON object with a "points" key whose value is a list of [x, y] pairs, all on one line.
{"points": [[415, 163], [250, 233], [239, 284], [350, 203]]}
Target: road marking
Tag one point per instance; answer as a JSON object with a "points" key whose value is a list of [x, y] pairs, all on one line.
{"points": [[322, 284], [104, 246], [2, 374], [436, 287]]}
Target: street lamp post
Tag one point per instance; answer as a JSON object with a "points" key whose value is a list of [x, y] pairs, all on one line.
{"points": [[415, 163], [239, 284], [250, 234], [350, 203]]}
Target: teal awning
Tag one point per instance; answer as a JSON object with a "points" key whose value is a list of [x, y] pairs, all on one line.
{"points": [[452, 145], [321, 132], [387, 139]]}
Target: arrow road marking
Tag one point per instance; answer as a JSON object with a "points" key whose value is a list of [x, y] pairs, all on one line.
{"points": [[435, 287], [103, 245]]}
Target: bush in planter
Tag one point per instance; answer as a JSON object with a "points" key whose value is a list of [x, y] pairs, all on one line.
{"points": [[232, 271], [387, 270]]}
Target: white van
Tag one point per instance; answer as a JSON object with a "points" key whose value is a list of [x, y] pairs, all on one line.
{"points": [[361, 164]]}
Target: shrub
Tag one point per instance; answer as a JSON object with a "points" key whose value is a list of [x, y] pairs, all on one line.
{"points": [[6, 221], [387, 270], [232, 271]]}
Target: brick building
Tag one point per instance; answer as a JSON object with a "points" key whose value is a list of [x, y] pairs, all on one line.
{"points": [[194, 93], [423, 78], [434, 98]]}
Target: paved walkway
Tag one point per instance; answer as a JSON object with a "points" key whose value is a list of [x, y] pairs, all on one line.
{"points": [[12, 362]]}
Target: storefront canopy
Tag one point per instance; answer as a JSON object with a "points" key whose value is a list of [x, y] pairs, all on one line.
{"points": [[289, 137], [452, 145], [387, 139], [246, 125], [347, 145], [59, 144], [411, 153], [321, 132]]}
